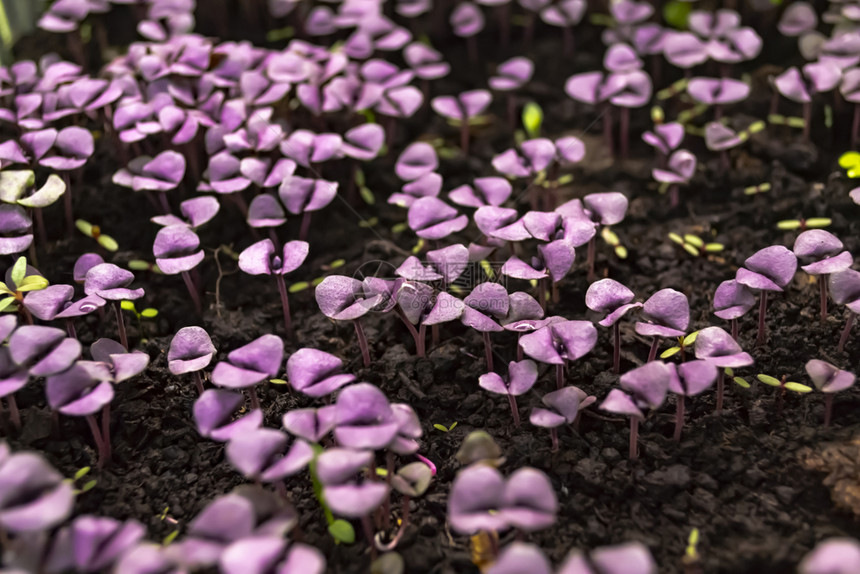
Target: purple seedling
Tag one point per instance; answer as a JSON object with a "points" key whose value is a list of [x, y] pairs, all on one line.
{"points": [[768, 269], [678, 171], [560, 407], [643, 387], [849, 87], [432, 218], [191, 351], [689, 379], [629, 558], [824, 255], [195, 212], [249, 365], [316, 373], [722, 350], [93, 543], [35, 497], [214, 411], [110, 282], [418, 305], [614, 299], [845, 290], [310, 424], [557, 343], [461, 110], [467, 21], [718, 92], [483, 191], [343, 299], [836, 555], [484, 306], [732, 300], [566, 15], [419, 158], [519, 557], [665, 138], [262, 258], [304, 196], [266, 455], [177, 251], [520, 379], [797, 19], [596, 209], [525, 315], [16, 229], [665, 314], [364, 418], [260, 552], [800, 86], [511, 75], [828, 379], [160, 174]]}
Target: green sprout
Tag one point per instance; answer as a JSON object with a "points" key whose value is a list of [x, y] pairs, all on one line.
{"points": [[694, 245], [756, 189], [790, 121], [88, 485], [691, 553], [676, 88], [94, 231], [803, 224], [165, 517], [22, 283], [363, 190], [658, 116], [676, 14], [681, 347], [141, 265], [740, 381], [443, 428], [532, 119], [784, 386], [850, 162], [148, 313], [611, 239]]}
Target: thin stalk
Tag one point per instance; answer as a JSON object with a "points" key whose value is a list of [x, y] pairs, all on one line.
{"points": [[553, 435], [434, 335], [163, 203], [70, 328], [846, 332], [421, 349], [514, 411], [488, 351], [368, 533], [559, 376], [67, 205], [503, 13], [567, 42], [519, 349], [192, 292], [721, 385], [255, 399], [735, 329], [624, 129], [855, 125], [590, 259], [762, 310], [198, 382], [106, 431], [120, 324], [542, 289], [285, 305], [404, 521], [634, 438], [306, 226], [822, 290], [828, 408], [28, 317], [679, 416], [616, 347], [807, 119], [362, 342], [464, 136], [40, 227], [607, 128], [386, 508], [97, 438], [14, 413], [472, 47], [655, 345]]}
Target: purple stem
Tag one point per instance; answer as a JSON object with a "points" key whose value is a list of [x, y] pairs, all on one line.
{"points": [[106, 432], [553, 435], [828, 408], [634, 438], [488, 351], [368, 533], [607, 128], [419, 347], [362, 342], [590, 259], [97, 437], [198, 382], [255, 399], [616, 347], [721, 384], [567, 42], [464, 136], [846, 332], [306, 226], [822, 289], [40, 227], [762, 309], [559, 376], [285, 305], [120, 325], [67, 204], [192, 292], [652, 353], [163, 203], [735, 329], [14, 413], [855, 125], [679, 416], [519, 349], [70, 328], [434, 335], [807, 119], [514, 411], [624, 132]]}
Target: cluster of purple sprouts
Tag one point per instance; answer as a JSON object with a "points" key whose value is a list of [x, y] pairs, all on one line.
{"points": [[201, 127]]}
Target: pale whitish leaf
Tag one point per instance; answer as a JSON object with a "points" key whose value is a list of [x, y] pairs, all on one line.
{"points": [[768, 380], [14, 183], [53, 190]]}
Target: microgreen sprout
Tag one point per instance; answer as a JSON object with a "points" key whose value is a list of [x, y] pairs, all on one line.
{"points": [[784, 385], [681, 347], [850, 162], [803, 224], [828, 379], [20, 282], [443, 428], [94, 231], [757, 189], [692, 559], [722, 350], [80, 474], [694, 245], [147, 313]]}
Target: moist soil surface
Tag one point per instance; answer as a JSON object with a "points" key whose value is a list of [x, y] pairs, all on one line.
{"points": [[738, 476]]}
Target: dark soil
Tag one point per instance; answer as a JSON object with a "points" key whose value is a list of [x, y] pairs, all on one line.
{"points": [[736, 476]]}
